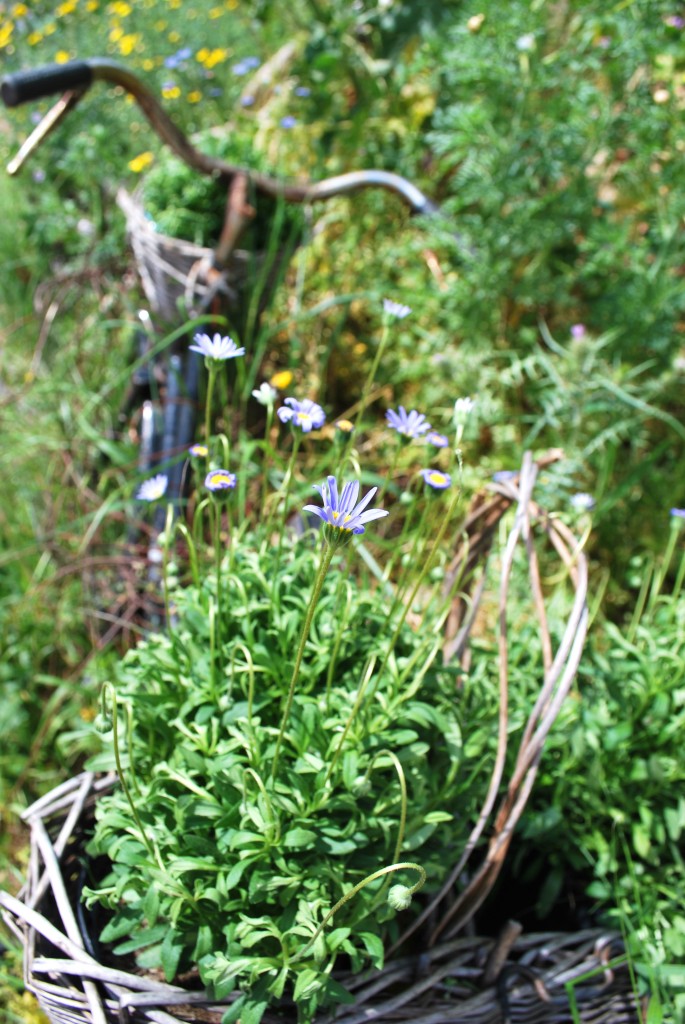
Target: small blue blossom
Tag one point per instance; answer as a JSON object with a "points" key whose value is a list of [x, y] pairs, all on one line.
{"points": [[341, 512], [408, 424], [216, 348], [436, 479], [502, 476], [396, 309], [305, 414], [437, 440], [303, 91], [220, 480], [678, 513], [247, 101], [288, 121], [153, 489]]}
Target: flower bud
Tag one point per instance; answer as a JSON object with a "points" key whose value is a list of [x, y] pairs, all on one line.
{"points": [[399, 897]]}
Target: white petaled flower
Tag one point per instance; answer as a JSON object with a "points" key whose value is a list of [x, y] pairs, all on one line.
{"points": [[265, 394], [396, 309], [218, 347], [526, 42], [582, 502], [463, 407], [153, 489]]}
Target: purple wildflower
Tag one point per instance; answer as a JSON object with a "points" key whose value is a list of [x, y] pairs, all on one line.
{"points": [[437, 440], [153, 489], [396, 309], [220, 480], [216, 348], [305, 414], [288, 121], [578, 331], [436, 479], [408, 424], [198, 451], [678, 513], [341, 512]]}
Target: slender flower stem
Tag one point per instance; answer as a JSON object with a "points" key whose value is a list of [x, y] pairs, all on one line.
{"points": [[426, 566], [313, 601], [219, 592], [211, 380], [389, 869], [154, 853], [368, 672], [265, 473], [391, 473]]}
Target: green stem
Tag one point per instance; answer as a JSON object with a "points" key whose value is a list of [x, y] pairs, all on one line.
{"points": [[368, 672], [426, 566], [211, 380], [219, 594], [333, 659], [405, 865], [313, 601], [403, 794], [153, 852]]}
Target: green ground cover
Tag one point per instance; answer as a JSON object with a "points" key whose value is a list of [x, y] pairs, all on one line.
{"points": [[551, 292]]}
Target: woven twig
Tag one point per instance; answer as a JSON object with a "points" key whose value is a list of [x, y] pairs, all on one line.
{"points": [[468, 980], [173, 271]]}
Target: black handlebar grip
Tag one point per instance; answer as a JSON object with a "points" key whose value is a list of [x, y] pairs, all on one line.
{"points": [[44, 81]]}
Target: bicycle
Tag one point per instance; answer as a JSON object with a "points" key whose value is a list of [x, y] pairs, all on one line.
{"points": [[164, 388]]}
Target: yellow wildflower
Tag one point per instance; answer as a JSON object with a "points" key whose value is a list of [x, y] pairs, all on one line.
{"points": [[216, 12], [174, 37], [34, 38], [120, 8], [281, 380], [116, 33], [140, 162], [195, 96], [232, 4], [6, 31], [172, 92], [62, 56], [49, 29], [128, 43], [19, 10], [92, 5], [63, 9]]}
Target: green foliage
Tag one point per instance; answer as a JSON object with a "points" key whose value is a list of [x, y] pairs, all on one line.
{"points": [[239, 869], [609, 804]]}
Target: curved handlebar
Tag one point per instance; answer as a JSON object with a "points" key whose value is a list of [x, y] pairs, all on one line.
{"points": [[77, 76], [24, 86]]}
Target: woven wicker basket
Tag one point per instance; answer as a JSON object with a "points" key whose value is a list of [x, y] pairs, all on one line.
{"points": [[172, 270], [536, 978]]}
